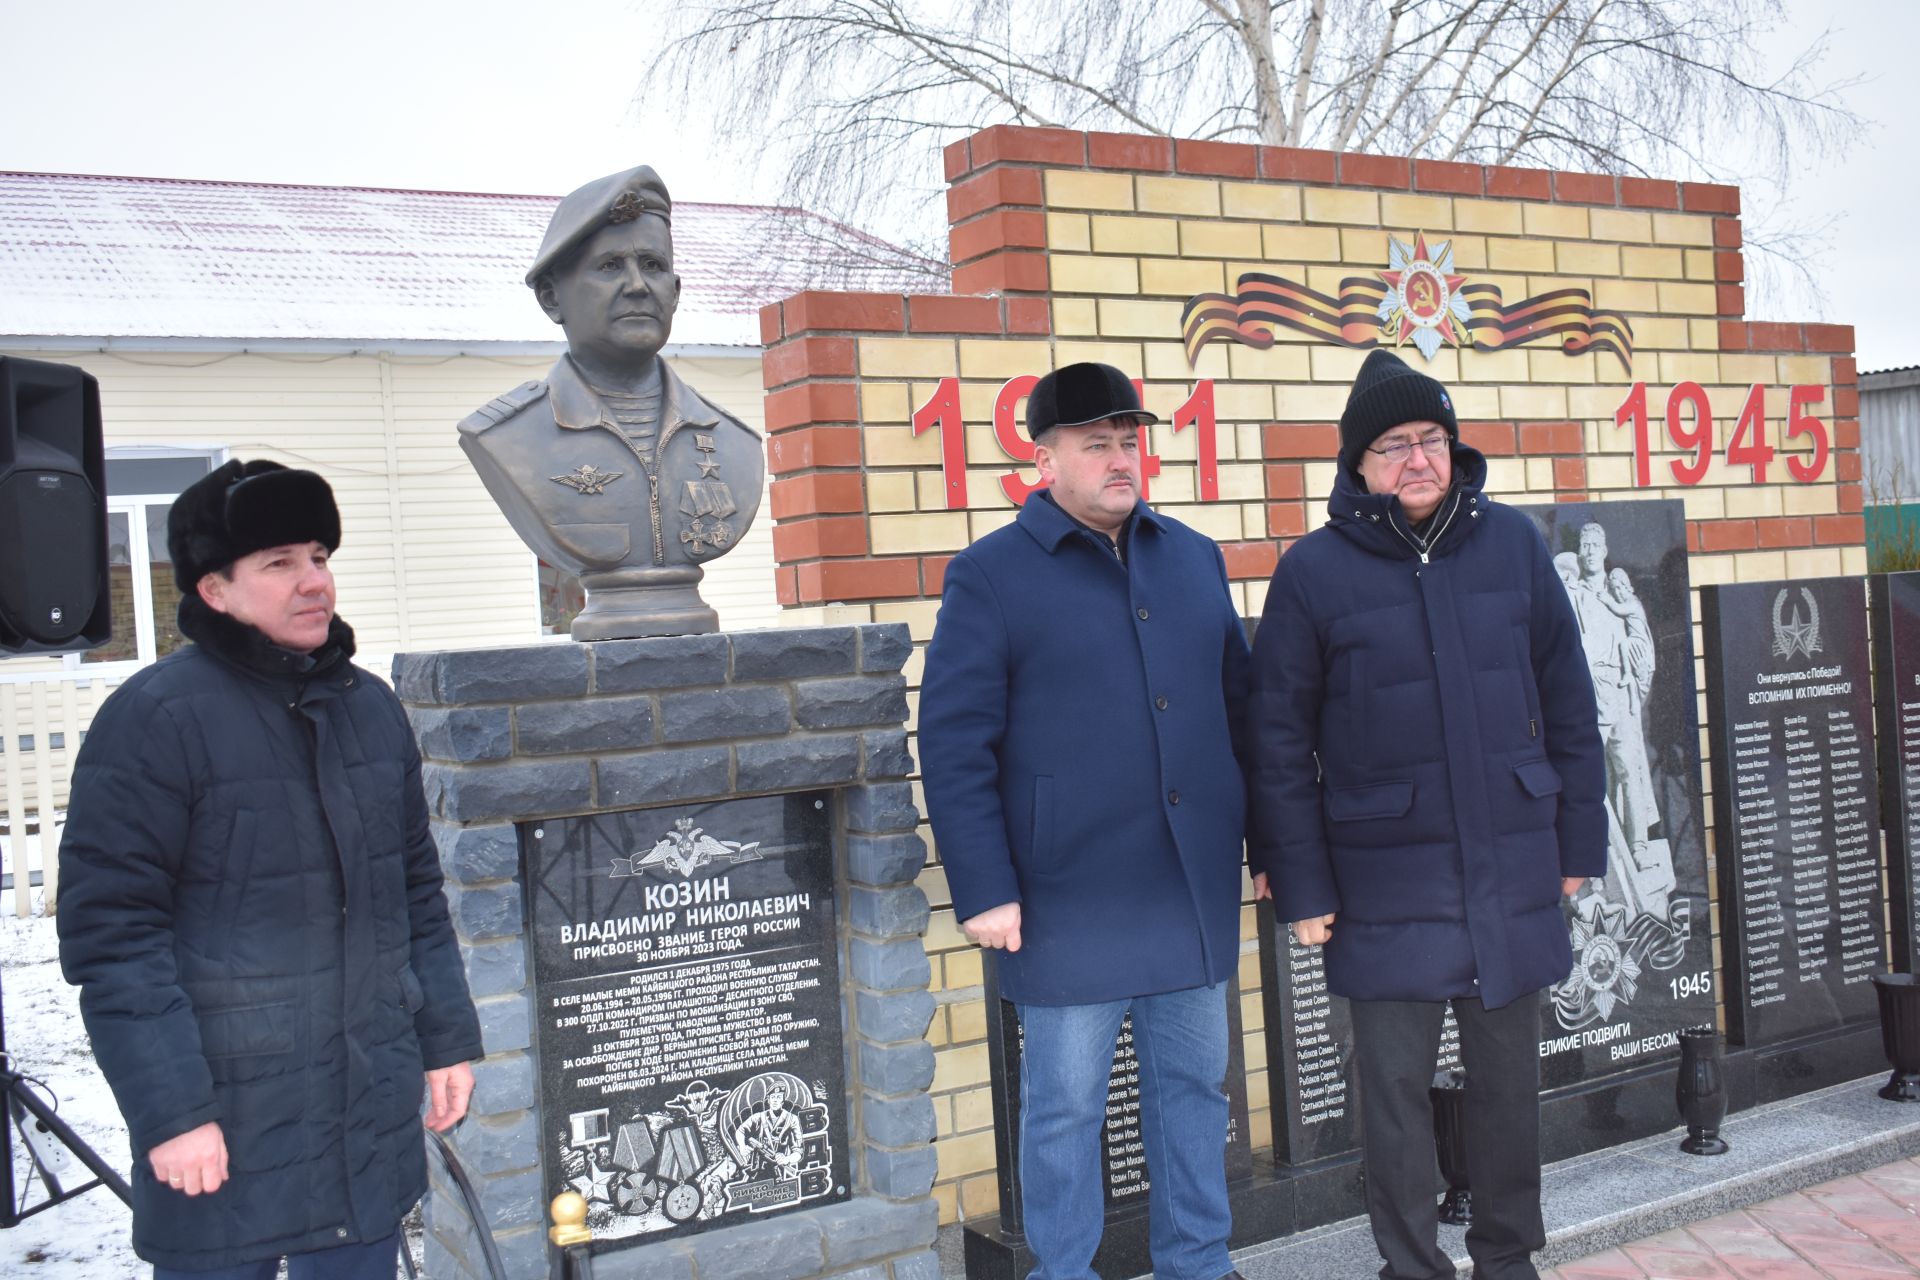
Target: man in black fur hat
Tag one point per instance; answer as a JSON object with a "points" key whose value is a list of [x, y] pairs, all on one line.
{"points": [[251, 907]]}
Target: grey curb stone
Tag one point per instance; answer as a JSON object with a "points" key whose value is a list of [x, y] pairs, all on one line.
{"points": [[489, 912], [889, 966], [810, 760], [463, 734], [523, 1253], [712, 714], [885, 646], [656, 777], [495, 968], [662, 662], [506, 1022], [903, 1068], [878, 1271], [898, 1122], [524, 674], [887, 755], [492, 1145], [888, 913], [902, 1175], [781, 1249], [413, 676], [475, 854], [439, 1260], [881, 808], [920, 1266], [585, 724], [504, 1083], [517, 790], [866, 1228], [793, 653], [850, 703], [879, 860], [664, 1261], [515, 1199], [887, 1019]]}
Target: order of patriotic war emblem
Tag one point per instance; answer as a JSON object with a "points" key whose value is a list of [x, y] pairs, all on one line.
{"points": [[689, 1026]]}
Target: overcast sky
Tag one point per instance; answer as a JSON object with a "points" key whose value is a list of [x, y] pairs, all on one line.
{"points": [[504, 95]]}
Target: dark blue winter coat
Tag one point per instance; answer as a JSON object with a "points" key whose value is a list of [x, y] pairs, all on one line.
{"points": [[251, 906], [1077, 720], [1426, 755]]}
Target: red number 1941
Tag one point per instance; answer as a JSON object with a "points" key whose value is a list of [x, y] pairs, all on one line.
{"points": [[1690, 427], [941, 413]]}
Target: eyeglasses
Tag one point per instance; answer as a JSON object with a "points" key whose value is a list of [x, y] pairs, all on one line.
{"points": [[1433, 443]]}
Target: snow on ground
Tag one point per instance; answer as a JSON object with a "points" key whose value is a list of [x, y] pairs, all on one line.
{"points": [[86, 1238]]}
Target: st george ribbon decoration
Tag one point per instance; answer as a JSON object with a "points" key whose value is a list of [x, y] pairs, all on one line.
{"points": [[1419, 298]]}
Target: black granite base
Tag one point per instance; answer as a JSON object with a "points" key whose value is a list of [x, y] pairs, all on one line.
{"points": [[1263, 1209]]}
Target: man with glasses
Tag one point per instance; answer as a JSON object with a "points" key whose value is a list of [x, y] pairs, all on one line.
{"points": [[1428, 785]]}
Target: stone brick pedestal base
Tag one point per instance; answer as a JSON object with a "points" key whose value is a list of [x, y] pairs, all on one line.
{"points": [[551, 731]]}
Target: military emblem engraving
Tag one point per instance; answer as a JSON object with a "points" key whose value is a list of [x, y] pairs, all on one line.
{"points": [[685, 850], [587, 479], [1797, 632]]}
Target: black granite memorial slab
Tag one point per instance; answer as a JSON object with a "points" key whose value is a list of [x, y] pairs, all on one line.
{"points": [[1310, 1050], [1895, 602], [689, 1014], [1790, 715], [1642, 952]]}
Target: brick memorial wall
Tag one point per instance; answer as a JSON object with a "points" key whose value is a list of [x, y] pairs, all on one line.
{"points": [[893, 422]]}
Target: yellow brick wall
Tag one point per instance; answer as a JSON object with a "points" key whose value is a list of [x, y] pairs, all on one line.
{"points": [[1125, 251]]}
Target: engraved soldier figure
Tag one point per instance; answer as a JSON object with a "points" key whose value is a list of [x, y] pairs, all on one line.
{"points": [[613, 468]]}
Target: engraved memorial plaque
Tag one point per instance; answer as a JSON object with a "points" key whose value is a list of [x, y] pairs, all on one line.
{"points": [[1795, 804], [1896, 702], [1642, 955], [688, 1013]]}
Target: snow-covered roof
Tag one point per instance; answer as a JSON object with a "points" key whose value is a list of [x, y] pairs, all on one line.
{"points": [[162, 258]]}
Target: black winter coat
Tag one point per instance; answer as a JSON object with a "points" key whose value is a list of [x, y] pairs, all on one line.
{"points": [[1427, 757], [251, 906]]}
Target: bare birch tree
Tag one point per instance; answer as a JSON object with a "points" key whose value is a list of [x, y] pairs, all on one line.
{"points": [[851, 99]]}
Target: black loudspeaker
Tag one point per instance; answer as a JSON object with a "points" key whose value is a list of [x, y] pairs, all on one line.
{"points": [[54, 592]]}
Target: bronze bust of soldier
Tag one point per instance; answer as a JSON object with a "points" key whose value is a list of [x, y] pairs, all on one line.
{"points": [[613, 468]]}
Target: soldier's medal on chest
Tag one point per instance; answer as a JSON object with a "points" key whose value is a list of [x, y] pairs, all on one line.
{"points": [[587, 479], [708, 502]]}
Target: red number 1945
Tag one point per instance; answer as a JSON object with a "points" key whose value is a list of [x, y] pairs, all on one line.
{"points": [[1690, 427]]}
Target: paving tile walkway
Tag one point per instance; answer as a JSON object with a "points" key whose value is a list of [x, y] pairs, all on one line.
{"points": [[1864, 1227]]}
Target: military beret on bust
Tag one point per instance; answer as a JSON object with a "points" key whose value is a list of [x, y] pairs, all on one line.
{"points": [[604, 202], [1077, 395], [244, 507], [1387, 393]]}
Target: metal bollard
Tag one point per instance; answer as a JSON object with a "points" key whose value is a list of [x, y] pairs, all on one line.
{"points": [[571, 1235]]}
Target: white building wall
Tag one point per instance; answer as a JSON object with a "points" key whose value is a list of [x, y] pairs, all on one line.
{"points": [[427, 561]]}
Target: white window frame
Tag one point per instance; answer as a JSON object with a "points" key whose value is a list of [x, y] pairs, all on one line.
{"points": [[139, 553]]}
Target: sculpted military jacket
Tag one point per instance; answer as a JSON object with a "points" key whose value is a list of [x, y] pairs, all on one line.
{"points": [[588, 498]]}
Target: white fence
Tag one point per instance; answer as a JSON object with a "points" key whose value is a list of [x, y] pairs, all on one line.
{"points": [[41, 721]]}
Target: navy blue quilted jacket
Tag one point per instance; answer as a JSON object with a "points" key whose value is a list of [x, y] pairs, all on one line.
{"points": [[1426, 756], [251, 906]]}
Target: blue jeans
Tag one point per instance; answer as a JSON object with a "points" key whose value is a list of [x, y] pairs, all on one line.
{"points": [[1181, 1040], [377, 1261]]}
